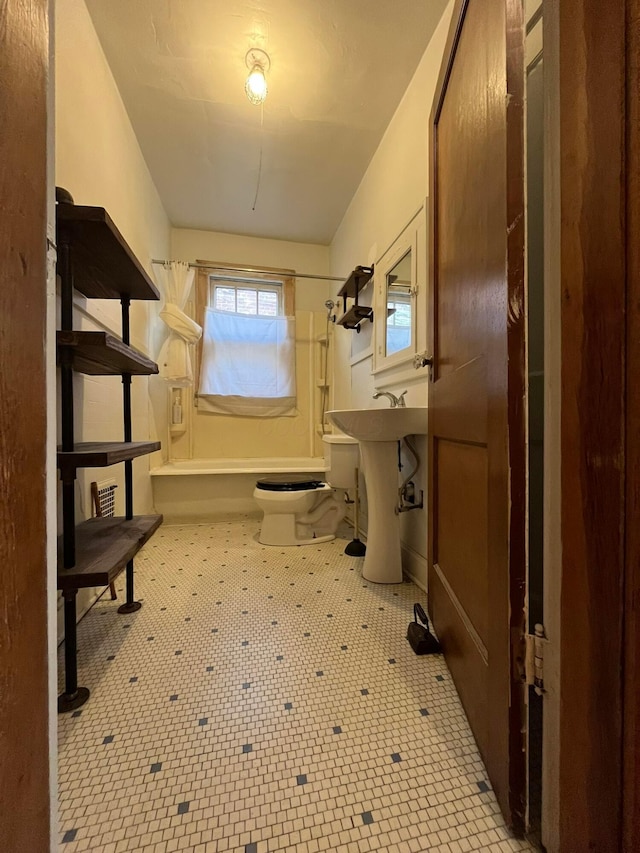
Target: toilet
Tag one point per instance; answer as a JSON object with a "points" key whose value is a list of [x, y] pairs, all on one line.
{"points": [[303, 510]]}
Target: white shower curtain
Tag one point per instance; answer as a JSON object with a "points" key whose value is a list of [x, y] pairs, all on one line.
{"points": [[248, 365], [175, 281]]}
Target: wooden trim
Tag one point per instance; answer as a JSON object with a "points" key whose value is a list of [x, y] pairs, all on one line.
{"points": [[24, 665], [202, 293], [517, 391], [593, 248], [631, 732]]}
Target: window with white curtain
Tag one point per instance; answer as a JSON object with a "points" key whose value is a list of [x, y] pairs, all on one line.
{"points": [[247, 355]]}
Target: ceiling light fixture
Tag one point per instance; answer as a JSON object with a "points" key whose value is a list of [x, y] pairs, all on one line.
{"points": [[258, 63]]}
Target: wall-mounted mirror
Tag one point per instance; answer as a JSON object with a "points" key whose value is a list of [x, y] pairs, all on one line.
{"points": [[396, 305], [399, 306]]}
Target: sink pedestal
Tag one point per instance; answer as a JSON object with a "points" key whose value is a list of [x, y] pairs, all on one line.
{"points": [[382, 563]]}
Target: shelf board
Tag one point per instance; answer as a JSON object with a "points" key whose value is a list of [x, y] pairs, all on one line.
{"points": [[100, 454], [359, 278], [102, 354], [104, 266], [104, 546], [352, 318]]}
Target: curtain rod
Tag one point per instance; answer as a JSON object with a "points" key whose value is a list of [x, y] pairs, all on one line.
{"points": [[253, 270]]}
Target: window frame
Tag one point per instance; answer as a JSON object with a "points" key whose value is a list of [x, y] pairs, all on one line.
{"points": [[204, 290]]}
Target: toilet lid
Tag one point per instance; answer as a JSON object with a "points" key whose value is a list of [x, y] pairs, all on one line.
{"points": [[288, 484]]}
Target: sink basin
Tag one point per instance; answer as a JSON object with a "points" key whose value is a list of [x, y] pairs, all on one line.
{"points": [[378, 431], [381, 424]]}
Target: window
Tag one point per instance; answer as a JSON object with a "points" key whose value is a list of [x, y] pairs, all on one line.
{"points": [[248, 297], [246, 358]]}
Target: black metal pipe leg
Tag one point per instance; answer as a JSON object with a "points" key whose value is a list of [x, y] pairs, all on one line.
{"points": [[131, 604], [73, 696]]}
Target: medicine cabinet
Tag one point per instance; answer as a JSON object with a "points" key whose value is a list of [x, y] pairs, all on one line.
{"points": [[398, 282]]}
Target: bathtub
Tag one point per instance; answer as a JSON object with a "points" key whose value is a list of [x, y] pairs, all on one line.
{"points": [[197, 490]]}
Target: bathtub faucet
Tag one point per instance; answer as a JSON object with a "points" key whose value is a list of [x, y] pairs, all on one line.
{"points": [[396, 402]]}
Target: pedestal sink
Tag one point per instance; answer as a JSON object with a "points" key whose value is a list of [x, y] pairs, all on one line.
{"points": [[378, 432]]}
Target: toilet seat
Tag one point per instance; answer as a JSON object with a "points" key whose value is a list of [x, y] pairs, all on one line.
{"points": [[288, 484]]}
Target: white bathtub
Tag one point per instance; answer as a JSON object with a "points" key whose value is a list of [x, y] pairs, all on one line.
{"points": [[200, 490]]}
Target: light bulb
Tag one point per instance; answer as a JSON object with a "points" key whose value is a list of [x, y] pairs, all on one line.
{"points": [[256, 85]]}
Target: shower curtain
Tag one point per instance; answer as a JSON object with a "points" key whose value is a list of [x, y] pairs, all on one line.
{"points": [[175, 281]]}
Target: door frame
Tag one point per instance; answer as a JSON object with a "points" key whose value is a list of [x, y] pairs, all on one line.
{"points": [[591, 771], [598, 290], [25, 452]]}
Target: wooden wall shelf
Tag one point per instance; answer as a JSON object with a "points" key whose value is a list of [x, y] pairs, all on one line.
{"points": [[101, 454], [102, 354], [104, 267], [104, 546]]}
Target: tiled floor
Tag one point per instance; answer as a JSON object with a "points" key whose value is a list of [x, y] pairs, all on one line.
{"points": [[266, 699]]}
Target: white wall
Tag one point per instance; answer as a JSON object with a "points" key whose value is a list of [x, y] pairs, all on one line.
{"points": [[393, 189], [224, 436], [99, 161]]}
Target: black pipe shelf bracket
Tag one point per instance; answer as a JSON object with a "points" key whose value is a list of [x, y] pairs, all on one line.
{"points": [[94, 259], [356, 314]]}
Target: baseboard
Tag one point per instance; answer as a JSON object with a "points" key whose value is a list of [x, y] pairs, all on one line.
{"points": [[414, 566]]}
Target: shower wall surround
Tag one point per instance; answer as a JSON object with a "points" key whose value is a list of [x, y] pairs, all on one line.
{"points": [[211, 436]]}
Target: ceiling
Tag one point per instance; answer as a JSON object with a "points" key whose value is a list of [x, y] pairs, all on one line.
{"points": [[338, 71]]}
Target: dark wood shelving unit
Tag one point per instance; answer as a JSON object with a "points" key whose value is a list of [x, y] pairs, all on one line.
{"points": [[353, 317], [104, 546], [104, 265], [94, 454], [101, 354], [94, 259]]}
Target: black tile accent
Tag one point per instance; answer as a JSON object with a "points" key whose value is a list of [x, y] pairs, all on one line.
{"points": [[108, 739], [69, 836], [301, 779], [203, 721], [364, 691], [392, 660], [247, 748], [133, 679], [173, 697], [396, 757], [76, 713], [424, 712], [155, 767], [367, 818], [483, 787], [337, 730], [252, 847], [209, 669], [439, 677], [319, 673], [183, 808], [288, 706]]}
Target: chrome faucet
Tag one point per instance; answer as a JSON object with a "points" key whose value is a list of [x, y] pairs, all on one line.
{"points": [[395, 402]]}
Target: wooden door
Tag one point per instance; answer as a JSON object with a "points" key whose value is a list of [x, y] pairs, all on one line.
{"points": [[476, 398], [24, 701]]}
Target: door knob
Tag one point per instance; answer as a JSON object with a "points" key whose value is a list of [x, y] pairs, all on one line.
{"points": [[422, 360]]}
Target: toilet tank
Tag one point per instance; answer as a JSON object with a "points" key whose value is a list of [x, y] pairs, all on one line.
{"points": [[341, 456]]}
